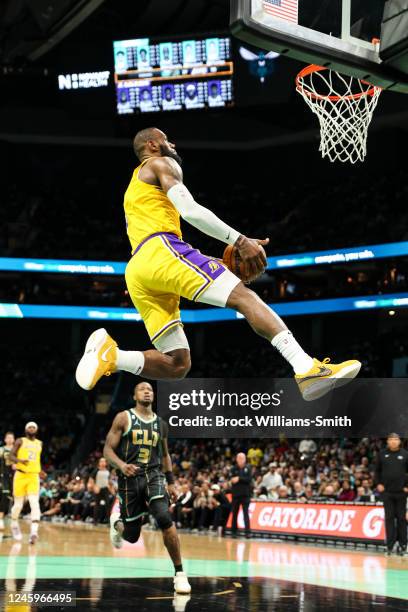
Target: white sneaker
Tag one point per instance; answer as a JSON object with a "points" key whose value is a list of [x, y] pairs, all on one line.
{"points": [[99, 359], [181, 583], [115, 536], [16, 533]]}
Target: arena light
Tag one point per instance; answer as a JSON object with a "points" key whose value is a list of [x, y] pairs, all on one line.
{"points": [[348, 255], [314, 258], [205, 315], [62, 266]]}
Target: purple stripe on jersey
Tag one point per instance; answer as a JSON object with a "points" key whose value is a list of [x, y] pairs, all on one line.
{"points": [[209, 267], [153, 236], [174, 322]]}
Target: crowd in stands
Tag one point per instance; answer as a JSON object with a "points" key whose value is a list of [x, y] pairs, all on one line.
{"points": [[37, 384], [326, 470], [70, 208], [378, 357], [74, 211], [85, 495], [282, 470], [273, 286]]}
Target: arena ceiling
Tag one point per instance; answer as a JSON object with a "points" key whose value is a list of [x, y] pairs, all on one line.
{"points": [[29, 29]]}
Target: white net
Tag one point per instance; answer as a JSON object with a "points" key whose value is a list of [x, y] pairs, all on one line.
{"points": [[344, 106]]}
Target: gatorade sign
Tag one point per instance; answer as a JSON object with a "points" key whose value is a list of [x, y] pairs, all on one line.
{"points": [[334, 520]]}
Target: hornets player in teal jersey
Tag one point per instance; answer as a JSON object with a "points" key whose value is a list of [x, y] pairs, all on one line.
{"points": [[137, 446]]}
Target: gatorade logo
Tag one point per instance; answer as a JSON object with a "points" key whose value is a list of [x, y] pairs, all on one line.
{"points": [[373, 522]]}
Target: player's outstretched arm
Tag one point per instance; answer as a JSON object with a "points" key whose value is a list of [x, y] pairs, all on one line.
{"points": [[119, 426], [169, 174]]}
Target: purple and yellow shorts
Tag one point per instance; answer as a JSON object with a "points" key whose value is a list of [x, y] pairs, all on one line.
{"points": [[162, 269]]}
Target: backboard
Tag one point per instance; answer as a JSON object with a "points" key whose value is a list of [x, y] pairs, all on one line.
{"points": [[339, 34]]}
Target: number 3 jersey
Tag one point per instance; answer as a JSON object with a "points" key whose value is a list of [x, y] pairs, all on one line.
{"points": [[142, 443]]}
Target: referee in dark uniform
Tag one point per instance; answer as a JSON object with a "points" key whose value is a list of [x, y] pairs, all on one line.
{"points": [[241, 485], [391, 477]]}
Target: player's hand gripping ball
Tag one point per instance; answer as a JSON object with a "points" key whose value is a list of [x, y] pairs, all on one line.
{"points": [[247, 270]]}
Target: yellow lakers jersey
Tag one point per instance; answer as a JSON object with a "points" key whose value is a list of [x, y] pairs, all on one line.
{"points": [[148, 211], [30, 450]]}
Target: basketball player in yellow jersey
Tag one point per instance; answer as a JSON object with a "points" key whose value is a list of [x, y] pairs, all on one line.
{"points": [[26, 454], [163, 268]]}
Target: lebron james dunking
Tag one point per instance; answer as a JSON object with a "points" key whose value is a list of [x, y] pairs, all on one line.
{"points": [[163, 268]]}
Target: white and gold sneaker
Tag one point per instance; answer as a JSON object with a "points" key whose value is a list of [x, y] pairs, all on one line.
{"points": [[325, 376], [99, 359]]}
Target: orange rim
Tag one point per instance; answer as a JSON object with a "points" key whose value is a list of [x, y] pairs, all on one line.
{"points": [[315, 68]]}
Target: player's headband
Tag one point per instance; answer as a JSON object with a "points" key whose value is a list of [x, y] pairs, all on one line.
{"points": [[31, 424]]}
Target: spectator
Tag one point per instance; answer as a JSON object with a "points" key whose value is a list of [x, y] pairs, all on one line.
{"points": [[182, 510], [307, 448], [103, 492], [272, 479], [367, 489], [346, 492], [222, 509], [261, 493], [298, 492], [361, 495], [86, 508], [329, 493], [255, 455], [70, 505], [283, 493], [201, 508]]}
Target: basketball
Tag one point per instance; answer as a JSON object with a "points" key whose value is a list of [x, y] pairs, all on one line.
{"points": [[232, 259]]}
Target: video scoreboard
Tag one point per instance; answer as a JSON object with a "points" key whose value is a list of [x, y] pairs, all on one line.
{"points": [[168, 76]]}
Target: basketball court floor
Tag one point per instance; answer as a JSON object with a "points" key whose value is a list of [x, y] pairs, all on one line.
{"points": [[225, 573]]}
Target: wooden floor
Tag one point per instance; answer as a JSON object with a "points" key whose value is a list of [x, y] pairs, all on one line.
{"points": [[225, 573]]}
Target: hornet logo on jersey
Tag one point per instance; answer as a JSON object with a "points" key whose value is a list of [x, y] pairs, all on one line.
{"points": [[261, 64], [213, 266]]}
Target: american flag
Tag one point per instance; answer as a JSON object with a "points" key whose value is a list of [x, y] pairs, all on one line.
{"points": [[283, 9]]}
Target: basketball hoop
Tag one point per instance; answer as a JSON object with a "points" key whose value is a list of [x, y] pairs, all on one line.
{"points": [[344, 106]]}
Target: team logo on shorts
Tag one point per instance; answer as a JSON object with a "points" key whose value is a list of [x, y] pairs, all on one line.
{"points": [[213, 266]]}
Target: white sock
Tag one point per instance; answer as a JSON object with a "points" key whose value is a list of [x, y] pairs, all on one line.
{"points": [[291, 350], [34, 528], [130, 361]]}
